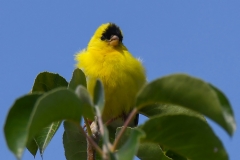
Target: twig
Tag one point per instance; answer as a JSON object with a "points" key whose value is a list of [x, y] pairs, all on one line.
{"points": [[129, 119], [100, 122], [89, 131], [93, 143]]}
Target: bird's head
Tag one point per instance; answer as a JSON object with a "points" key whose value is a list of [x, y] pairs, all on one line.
{"points": [[107, 35]]}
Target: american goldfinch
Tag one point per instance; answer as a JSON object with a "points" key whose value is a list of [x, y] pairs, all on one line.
{"points": [[122, 75]]}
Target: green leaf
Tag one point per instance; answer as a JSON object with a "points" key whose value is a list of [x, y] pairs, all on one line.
{"points": [[129, 149], [44, 137], [32, 146], [151, 151], [189, 92], [85, 97], [111, 133], [78, 78], [124, 137], [159, 109], [56, 105], [174, 156], [228, 112], [104, 141], [146, 150], [185, 135], [99, 95], [47, 81], [74, 141], [16, 125]]}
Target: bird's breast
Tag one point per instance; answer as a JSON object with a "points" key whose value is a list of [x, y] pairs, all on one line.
{"points": [[122, 76]]}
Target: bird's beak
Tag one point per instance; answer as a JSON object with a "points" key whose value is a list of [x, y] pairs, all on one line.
{"points": [[114, 40]]}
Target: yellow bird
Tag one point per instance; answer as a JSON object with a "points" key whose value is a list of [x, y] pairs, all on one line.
{"points": [[122, 75]]}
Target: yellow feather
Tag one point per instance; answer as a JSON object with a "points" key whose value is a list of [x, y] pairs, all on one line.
{"points": [[121, 74]]}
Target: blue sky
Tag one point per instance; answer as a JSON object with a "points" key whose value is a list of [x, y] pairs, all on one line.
{"points": [[200, 38]]}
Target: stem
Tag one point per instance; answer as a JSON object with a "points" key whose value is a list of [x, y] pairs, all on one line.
{"points": [[100, 122], [91, 152], [92, 142], [101, 128], [89, 131], [129, 119]]}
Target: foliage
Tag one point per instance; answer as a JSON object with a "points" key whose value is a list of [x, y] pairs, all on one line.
{"points": [[176, 129]]}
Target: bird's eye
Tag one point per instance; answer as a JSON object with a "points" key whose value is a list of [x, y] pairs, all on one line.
{"points": [[103, 38]]}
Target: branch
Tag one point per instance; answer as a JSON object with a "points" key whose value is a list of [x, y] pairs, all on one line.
{"points": [[129, 119]]}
